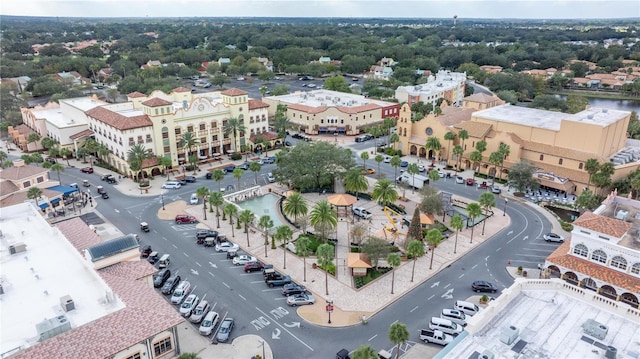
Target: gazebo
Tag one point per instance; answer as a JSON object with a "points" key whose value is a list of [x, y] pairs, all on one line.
{"points": [[342, 200], [358, 264]]}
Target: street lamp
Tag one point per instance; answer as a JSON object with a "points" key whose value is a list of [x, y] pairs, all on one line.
{"points": [[329, 308], [504, 211], [162, 199]]}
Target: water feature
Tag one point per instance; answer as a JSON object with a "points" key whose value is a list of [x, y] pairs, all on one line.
{"points": [[612, 104], [565, 214], [266, 204]]}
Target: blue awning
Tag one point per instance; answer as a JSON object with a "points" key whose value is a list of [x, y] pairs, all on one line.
{"points": [[66, 190], [55, 200], [44, 205]]}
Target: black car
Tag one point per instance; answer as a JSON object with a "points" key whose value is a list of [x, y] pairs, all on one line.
{"points": [[161, 277], [206, 233], [484, 286], [293, 289], [190, 179], [144, 253], [170, 285], [229, 169], [209, 175], [104, 195], [181, 181]]}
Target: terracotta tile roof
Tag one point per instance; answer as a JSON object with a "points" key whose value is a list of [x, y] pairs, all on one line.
{"points": [[357, 109], [452, 116], [562, 258], [267, 136], [181, 89], [475, 129], [560, 151], [307, 109], [17, 173], [21, 197], [78, 234], [23, 129], [136, 94], [156, 102], [580, 80], [7, 187], [357, 260], [256, 104], [117, 120], [602, 224], [81, 134], [234, 92]]}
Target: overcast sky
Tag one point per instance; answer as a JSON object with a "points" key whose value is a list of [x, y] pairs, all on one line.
{"points": [[525, 9]]}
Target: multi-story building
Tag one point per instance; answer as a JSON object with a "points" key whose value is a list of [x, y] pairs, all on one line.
{"points": [[445, 84], [324, 111], [603, 253]]}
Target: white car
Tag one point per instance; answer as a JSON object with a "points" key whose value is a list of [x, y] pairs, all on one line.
{"points": [[459, 180], [300, 299], [209, 322], [171, 185], [270, 177], [387, 159], [553, 237], [194, 199], [421, 168], [441, 174], [243, 259], [226, 247], [189, 305]]}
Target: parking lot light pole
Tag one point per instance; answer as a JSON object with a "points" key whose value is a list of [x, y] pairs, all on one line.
{"points": [[504, 211]]}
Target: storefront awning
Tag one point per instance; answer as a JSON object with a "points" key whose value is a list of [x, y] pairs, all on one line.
{"points": [[66, 190], [566, 186], [44, 205], [55, 200]]}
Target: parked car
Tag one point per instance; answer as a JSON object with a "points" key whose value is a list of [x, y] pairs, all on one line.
{"points": [[200, 312], [553, 237], [161, 277], [229, 169], [86, 170], [484, 286], [253, 267], [182, 182], [496, 189], [441, 174], [225, 330], [182, 290], [209, 323], [144, 253], [183, 218], [270, 177], [189, 305], [300, 299], [206, 233], [104, 195], [51, 160], [270, 159], [170, 285], [190, 179], [171, 185], [459, 180], [404, 164], [226, 247], [421, 168], [244, 166], [293, 289], [194, 199], [209, 175], [470, 182], [368, 171], [243, 259], [153, 257], [387, 159]]}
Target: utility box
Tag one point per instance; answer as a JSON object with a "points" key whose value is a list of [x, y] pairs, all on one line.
{"points": [[67, 303], [509, 334], [49, 328], [17, 248], [595, 329]]}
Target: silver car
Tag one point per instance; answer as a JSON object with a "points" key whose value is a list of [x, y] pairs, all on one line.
{"points": [[209, 322], [200, 312], [553, 237], [189, 305], [225, 330]]}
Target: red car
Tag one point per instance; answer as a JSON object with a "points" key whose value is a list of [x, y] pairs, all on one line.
{"points": [[470, 181], [87, 170], [253, 267], [183, 218]]}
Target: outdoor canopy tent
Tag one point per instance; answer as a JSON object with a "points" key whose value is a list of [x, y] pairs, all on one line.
{"points": [[66, 190]]}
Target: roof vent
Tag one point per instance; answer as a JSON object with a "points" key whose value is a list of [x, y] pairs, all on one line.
{"points": [[487, 354], [622, 215], [509, 334], [67, 303], [605, 110], [590, 117]]}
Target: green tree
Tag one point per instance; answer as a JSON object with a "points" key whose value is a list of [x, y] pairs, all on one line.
{"points": [[413, 170], [165, 162], [474, 211], [476, 158], [281, 121], [576, 103], [398, 334], [231, 210], [458, 152], [415, 249], [295, 205], [265, 223], [234, 127], [203, 192], [188, 356], [520, 176], [218, 176], [430, 202], [463, 135], [135, 156], [325, 255], [246, 217], [364, 156], [337, 83], [457, 224], [433, 238], [188, 142], [284, 234], [586, 200], [487, 201], [395, 162], [379, 159], [34, 193], [237, 174], [394, 139], [302, 249], [434, 176], [433, 144], [415, 227], [384, 192], [65, 153], [591, 166], [255, 167], [356, 182], [364, 352], [33, 137], [57, 168], [323, 218], [393, 259], [449, 136]]}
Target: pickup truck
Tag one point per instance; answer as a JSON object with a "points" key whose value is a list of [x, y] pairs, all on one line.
{"points": [[361, 212], [277, 279], [435, 336]]}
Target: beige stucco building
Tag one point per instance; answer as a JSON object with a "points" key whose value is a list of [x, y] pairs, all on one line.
{"points": [[324, 111]]}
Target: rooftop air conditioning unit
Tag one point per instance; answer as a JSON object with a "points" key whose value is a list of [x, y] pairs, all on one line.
{"points": [[622, 214], [509, 334], [487, 354], [67, 303], [49, 328], [595, 329], [18, 247]]}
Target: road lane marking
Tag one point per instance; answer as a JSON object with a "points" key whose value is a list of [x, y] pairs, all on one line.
{"points": [[211, 274], [198, 264], [486, 258], [226, 285], [186, 255], [461, 275], [373, 337], [174, 246], [498, 250], [242, 297], [286, 330], [446, 286], [414, 308], [474, 267], [431, 297]]}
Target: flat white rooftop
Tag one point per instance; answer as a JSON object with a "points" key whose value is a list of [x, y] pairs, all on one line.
{"points": [[549, 318], [35, 280], [549, 119], [443, 81], [83, 103], [317, 98]]}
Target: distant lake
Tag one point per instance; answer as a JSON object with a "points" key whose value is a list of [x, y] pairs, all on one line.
{"points": [[621, 105]]}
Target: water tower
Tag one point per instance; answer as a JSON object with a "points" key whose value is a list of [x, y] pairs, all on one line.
{"points": [[455, 18]]}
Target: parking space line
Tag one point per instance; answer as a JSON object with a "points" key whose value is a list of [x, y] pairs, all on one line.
{"points": [[271, 290], [198, 264], [226, 285], [242, 297], [257, 281]]}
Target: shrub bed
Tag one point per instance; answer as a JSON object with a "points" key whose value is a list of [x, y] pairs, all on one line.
{"points": [[372, 274]]}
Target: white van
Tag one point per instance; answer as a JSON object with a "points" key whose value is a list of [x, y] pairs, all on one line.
{"points": [[194, 199], [445, 326], [455, 316], [182, 291], [164, 261], [466, 307]]}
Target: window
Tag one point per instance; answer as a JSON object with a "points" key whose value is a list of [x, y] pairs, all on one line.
{"points": [[40, 179], [214, 138], [560, 161], [134, 356], [140, 139], [203, 139], [635, 269], [202, 125], [165, 135], [541, 157], [148, 139], [581, 250], [162, 346], [585, 232], [619, 262], [605, 238], [189, 128], [26, 184], [166, 150], [599, 256], [178, 131]]}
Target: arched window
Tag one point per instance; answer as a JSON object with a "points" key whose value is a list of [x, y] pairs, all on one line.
{"points": [[581, 250], [635, 269], [599, 256], [619, 262]]}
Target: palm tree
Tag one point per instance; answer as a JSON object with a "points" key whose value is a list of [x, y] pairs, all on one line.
{"points": [[323, 217], [33, 137], [255, 167], [458, 152], [433, 238], [81, 153], [364, 156], [203, 192], [364, 352], [65, 153], [266, 223], [57, 168], [487, 201], [246, 217], [457, 224], [48, 142], [237, 174], [476, 158], [474, 211], [433, 144], [34, 193], [165, 162], [218, 176], [384, 192], [231, 210], [91, 146], [395, 162], [449, 136], [325, 253], [388, 123], [188, 141], [394, 138], [398, 334], [302, 249], [463, 135], [505, 151], [281, 122], [496, 158], [355, 181], [102, 151], [416, 250], [284, 234], [393, 259], [413, 170], [234, 127], [379, 158], [38, 159], [591, 166], [295, 205], [216, 199], [136, 155]]}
